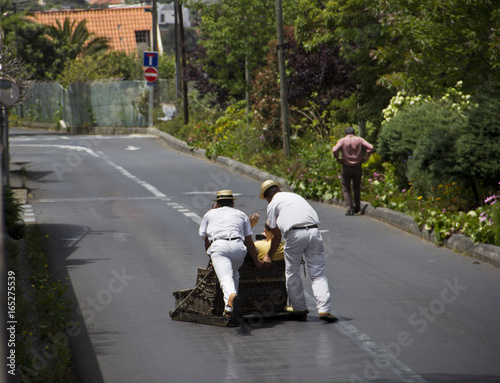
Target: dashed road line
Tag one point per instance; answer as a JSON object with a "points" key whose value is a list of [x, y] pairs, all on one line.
{"points": [[153, 190], [28, 214]]}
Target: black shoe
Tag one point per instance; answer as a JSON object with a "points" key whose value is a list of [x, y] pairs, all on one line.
{"points": [[226, 315], [237, 314], [357, 211], [299, 316], [349, 212]]}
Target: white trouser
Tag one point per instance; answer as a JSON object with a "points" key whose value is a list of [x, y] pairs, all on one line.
{"points": [[307, 243], [227, 258]]}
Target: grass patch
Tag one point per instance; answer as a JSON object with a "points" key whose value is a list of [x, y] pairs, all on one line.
{"points": [[42, 311]]}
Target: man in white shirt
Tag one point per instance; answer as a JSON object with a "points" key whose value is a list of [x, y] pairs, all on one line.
{"points": [[228, 237], [290, 216]]}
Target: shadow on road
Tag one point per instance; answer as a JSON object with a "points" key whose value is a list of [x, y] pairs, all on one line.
{"points": [[63, 241]]}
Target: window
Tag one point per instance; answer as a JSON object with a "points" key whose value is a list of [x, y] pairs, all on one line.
{"points": [[142, 37]]}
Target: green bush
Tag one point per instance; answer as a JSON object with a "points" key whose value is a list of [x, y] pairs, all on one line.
{"points": [[104, 66], [478, 146], [13, 213], [425, 134], [430, 194], [495, 215]]}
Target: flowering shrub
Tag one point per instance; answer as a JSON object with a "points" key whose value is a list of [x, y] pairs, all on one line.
{"points": [[313, 173], [459, 101], [479, 224], [444, 211]]}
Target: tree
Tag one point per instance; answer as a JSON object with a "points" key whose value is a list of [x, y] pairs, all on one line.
{"points": [[9, 21], [478, 147], [433, 43], [314, 78], [117, 66], [47, 49], [37, 51], [234, 35], [75, 39], [166, 66], [353, 27], [196, 72], [421, 47]]}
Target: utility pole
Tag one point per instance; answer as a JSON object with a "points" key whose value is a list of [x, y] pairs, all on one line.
{"points": [[154, 48], [4, 161], [182, 46], [9, 95], [285, 118], [177, 56]]}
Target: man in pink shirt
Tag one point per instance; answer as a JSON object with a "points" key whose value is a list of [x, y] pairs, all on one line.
{"points": [[355, 151]]}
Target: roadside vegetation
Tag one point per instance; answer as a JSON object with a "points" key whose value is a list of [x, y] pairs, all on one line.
{"points": [[422, 165], [419, 80], [42, 310]]}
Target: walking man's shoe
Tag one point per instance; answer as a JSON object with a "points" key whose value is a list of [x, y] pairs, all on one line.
{"points": [[349, 212], [327, 317]]}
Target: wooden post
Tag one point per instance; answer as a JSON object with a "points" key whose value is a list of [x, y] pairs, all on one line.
{"points": [[285, 118]]}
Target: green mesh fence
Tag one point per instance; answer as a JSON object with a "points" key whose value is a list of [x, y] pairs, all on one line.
{"points": [[104, 104]]}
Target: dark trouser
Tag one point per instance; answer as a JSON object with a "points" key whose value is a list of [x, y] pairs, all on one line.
{"points": [[352, 173]]}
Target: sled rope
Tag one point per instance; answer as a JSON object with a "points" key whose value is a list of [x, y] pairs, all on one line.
{"points": [[192, 291]]}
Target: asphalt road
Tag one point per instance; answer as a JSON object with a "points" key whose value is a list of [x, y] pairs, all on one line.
{"points": [[122, 216]]}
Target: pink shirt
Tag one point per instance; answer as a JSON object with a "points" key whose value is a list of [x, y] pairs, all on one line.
{"points": [[352, 147]]}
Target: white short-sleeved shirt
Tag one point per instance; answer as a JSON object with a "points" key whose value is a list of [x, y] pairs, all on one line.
{"points": [[289, 209], [225, 222]]}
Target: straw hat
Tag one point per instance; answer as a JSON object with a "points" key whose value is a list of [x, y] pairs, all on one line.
{"points": [[266, 185], [224, 194]]}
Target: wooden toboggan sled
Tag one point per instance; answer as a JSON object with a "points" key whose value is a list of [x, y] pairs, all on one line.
{"points": [[263, 293]]}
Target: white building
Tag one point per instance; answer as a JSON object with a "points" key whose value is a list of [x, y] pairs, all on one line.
{"points": [[166, 15]]}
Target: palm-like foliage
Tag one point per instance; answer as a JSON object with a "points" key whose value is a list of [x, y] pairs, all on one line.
{"points": [[47, 50], [75, 39]]}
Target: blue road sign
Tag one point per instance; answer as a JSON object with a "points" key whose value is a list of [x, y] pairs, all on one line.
{"points": [[151, 59]]}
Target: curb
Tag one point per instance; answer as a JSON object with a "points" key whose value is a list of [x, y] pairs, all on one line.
{"points": [[457, 242]]}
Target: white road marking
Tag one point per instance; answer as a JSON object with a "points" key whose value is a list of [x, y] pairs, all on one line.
{"points": [[69, 147], [81, 138], [383, 357], [37, 139], [30, 216], [89, 199]]}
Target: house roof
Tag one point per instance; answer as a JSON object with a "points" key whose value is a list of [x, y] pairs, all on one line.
{"points": [[117, 24], [106, 2]]}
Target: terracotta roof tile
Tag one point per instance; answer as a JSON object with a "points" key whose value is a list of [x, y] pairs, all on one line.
{"points": [[117, 24]]}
